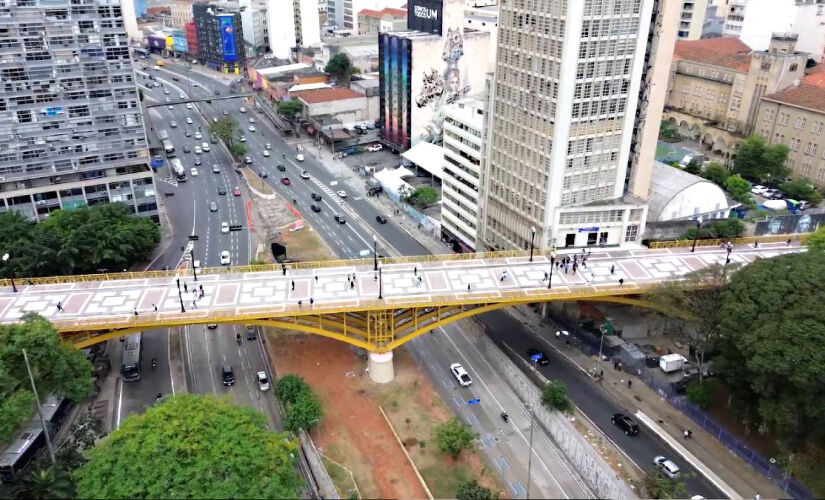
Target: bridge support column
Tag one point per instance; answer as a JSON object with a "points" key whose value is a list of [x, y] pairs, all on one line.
{"points": [[381, 367]]}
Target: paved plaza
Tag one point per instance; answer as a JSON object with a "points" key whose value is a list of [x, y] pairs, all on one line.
{"points": [[242, 294]]}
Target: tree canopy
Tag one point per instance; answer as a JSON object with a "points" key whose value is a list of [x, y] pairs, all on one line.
{"points": [[801, 189], [771, 354], [78, 241], [341, 69], [756, 159], [192, 446], [816, 241], [225, 129], [290, 108], [469, 489], [554, 395], [57, 368], [739, 189], [454, 436], [425, 196], [303, 408], [718, 228], [715, 172]]}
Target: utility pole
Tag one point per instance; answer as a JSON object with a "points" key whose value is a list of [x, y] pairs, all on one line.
{"points": [[39, 412], [533, 359]]}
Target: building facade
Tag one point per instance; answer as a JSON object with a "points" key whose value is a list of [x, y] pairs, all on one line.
{"points": [[691, 19], [809, 25], [71, 129], [753, 21], [571, 99], [220, 38], [370, 22], [255, 20], [716, 84], [181, 12], [288, 32], [463, 150]]}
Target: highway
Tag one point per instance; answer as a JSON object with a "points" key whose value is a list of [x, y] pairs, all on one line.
{"points": [[551, 475]]}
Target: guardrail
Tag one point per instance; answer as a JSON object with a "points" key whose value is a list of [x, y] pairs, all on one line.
{"points": [[801, 237]]}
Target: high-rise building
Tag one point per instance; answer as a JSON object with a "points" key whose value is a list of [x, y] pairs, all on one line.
{"points": [[576, 106], [181, 12], [220, 37], [71, 129], [255, 19], [301, 29], [753, 21], [691, 19]]}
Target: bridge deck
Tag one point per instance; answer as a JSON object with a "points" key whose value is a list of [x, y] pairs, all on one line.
{"points": [[111, 304]]}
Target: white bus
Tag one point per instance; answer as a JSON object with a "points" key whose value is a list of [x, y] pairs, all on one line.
{"points": [[177, 169]]}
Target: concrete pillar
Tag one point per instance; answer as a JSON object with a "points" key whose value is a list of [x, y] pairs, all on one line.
{"points": [[381, 368]]}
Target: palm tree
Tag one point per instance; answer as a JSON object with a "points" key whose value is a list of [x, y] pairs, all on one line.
{"points": [[45, 483]]}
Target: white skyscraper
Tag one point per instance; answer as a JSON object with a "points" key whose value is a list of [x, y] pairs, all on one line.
{"points": [[302, 28]]}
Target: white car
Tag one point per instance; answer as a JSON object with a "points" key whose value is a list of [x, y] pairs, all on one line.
{"points": [[194, 172], [304, 174], [251, 128], [224, 227], [198, 150], [268, 146], [188, 120], [181, 96], [667, 467], [562, 333], [342, 194], [173, 124], [198, 135], [263, 381], [242, 139], [170, 107], [266, 153], [299, 157], [225, 258], [243, 109], [375, 147], [205, 146], [188, 105], [460, 374], [757, 189], [166, 91], [251, 120]]}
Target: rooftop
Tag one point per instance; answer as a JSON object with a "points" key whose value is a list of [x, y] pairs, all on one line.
{"points": [[427, 156], [728, 52], [387, 11], [326, 95], [803, 96], [350, 40]]}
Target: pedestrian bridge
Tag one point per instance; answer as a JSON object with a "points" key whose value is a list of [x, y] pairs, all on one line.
{"points": [[349, 300]]}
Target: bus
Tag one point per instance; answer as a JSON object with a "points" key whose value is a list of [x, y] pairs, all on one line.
{"points": [[168, 148], [177, 169], [130, 365]]}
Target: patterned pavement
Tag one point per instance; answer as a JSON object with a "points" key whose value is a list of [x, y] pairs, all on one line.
{"points": [[247, 293]]}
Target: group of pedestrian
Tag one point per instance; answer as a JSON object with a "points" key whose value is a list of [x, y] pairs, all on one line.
{"points": [[198, 294], [351, 281], [687, 434], [504, 275]]}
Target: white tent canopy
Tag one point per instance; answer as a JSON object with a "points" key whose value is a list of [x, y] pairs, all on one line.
{"points": [[427, 156], [392, 179]]}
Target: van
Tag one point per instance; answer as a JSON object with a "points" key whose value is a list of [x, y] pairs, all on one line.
{"points": [[205, 146], [227, 375], [701, 160], [363, 254]]}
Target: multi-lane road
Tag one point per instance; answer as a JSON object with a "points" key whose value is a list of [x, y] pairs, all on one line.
{"points": [[505, 445]]}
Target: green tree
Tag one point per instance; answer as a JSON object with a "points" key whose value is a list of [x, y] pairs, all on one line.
{"points": [[425, 196], [816, 241], [739, 189], [238, 149], [304, 413], [657, 485], [50, 482], [801, 189], [225, 129], [718, 228], [771, 356], [341, 69], [290, 108], [716, 172], [701, 394], [140, 94], [694, 167], [469, 489], [192, 446], [554, 395], [57, 367], [756, 159], [290, 387], [454, 436]]}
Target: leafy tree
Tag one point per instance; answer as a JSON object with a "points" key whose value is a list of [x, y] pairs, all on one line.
{"points": [[51, 482], [225, 129], [57, 368], [290, 387], [771, 355], [657, 485], [694, 167], [469, 489], [454, 436], [425, 196], [304, 413], [193, 446], [739, 189], [554, 395], [816, 241], [341, 69], [716, 172], [718, 228], [801, 189], [701, 394], [140, 94], [238, 149], [756, 159], [290, 108]]}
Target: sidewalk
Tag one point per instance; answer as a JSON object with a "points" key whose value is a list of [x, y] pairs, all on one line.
{"points": [[743, 479]]}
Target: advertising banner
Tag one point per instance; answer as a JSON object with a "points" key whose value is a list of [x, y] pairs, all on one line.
{"points": [[787, 224], [156, 42], [425, 15], [228, 39]]}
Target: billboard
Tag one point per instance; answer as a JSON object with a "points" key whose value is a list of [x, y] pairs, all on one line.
{"points": [[789, 224], [425, 15], [156, 42], [227, 38], [179, 42]]}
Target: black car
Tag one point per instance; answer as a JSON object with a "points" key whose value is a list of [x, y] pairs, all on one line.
{"points": [[626, 424], [221, 190], [316, 197], [186, 149], [198, 161], [340, 219], [281, 168], [264, 175], [381, 219], [251, 332], [542, 359], [227, 375], [315, 208]]}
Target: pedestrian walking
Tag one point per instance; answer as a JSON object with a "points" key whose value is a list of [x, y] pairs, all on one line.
{"points": [[690, 434], [293, 285], [59, 307], [300, 302], [612, 268], [283, 268], [545, 276], [155, 307], [415, 271], [621, 281], [789, 242], [311, 301], [351, 285], [136, 311], [200, 287], [316, 279], [194, 304], [468, 287], [202, 294], [629, 383], [185, 288], [755, 244], [685, 434]]}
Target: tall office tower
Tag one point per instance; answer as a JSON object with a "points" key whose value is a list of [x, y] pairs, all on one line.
{"points": [[691, 19], [576, 107], [300, 29], [71, 130], [220, 37]]}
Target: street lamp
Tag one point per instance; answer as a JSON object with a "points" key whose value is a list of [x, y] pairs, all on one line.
{"points": [[192, 253], [180, 296], [380, 284], [374, 254], [552, 266], [532, 237], [533, 359], [11, 276], [727, 261], [696, 235]]}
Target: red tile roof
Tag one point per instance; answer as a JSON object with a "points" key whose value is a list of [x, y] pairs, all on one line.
{"points": [[815, 80], [397, 13], [326, 95], [804, 96], [729, 52]]}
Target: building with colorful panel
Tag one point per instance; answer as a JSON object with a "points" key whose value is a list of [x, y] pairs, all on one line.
{"points": [[220, 38], [191, 39], [179, 43]]}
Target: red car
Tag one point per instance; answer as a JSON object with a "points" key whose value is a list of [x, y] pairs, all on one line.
{"points": [[236, 191], [285, 181]]}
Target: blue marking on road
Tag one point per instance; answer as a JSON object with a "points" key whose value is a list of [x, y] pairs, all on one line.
{"points": [[520, 489]]}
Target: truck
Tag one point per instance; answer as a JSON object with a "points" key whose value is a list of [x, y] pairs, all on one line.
{"points": [[163, 135], [670, 363]]}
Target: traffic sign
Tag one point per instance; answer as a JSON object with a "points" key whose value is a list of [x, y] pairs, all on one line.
{"points": [[474, 401], [193, 237], [535, 358], [236, 227]]}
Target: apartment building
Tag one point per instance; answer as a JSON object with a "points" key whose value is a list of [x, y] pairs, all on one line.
{"points": [[254, 18], [463, 149], [220, 37], [809, 25], [691, 19], [716, 84], [181, 12], [300, 29], [753, 21], [371, 22], [71, 129], [571, 143]]}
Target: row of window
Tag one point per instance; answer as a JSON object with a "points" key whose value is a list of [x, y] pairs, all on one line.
{"points": [[707, 93]]}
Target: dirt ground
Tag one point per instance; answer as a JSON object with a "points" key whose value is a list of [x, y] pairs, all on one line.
{"points": [[355, 434]]}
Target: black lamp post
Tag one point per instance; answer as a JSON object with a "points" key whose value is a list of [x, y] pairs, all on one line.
{"points": [[11, 275], [532, 238], [698, 227], [374, 254], [180, 296], [380, 285], [194, 268], [552, 266], [727, 261]]}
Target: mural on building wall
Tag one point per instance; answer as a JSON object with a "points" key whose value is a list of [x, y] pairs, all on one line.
{"points": [[441, 89], [788, 224]]}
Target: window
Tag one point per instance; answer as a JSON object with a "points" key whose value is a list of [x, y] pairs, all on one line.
{"points": [[769, 113], [783, 118], [811, 149], [817, 128], [631, 233], [799, 123]]}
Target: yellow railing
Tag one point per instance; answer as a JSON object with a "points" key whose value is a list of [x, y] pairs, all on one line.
{"points": [[802, 238]]}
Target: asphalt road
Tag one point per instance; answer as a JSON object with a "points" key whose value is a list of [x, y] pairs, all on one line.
{"points": [[509, 454]]}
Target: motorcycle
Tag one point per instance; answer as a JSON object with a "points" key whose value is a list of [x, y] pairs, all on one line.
{"points": [[169, 194], [154, 363], [238, 338], [505, 416]]}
